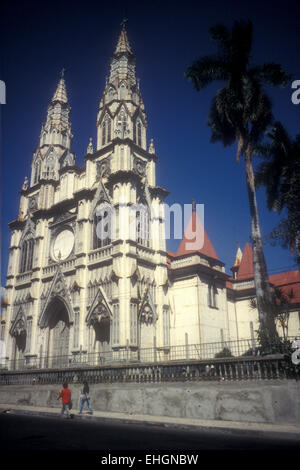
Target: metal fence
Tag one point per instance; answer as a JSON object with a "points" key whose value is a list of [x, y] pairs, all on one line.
{"points": [[230, 369], [208, 361], [246, 347]]}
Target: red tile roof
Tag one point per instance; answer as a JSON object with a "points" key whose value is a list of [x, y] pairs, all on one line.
{"points": [[196, 235], [288, 281], [245, 270]]}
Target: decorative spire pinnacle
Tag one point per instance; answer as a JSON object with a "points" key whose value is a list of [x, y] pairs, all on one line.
{"points": [[61, 92], [151, 147], [123, 43], [90, 148]]}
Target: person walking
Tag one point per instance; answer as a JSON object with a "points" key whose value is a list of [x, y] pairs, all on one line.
{"points": [[65, 396], [85, 397]]}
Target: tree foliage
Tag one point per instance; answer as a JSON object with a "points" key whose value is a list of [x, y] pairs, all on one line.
{"points": [[280, 174], [241, 112]]}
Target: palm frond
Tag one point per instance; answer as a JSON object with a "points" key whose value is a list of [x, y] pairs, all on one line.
{"points": [[272, 73], [205, 70]]}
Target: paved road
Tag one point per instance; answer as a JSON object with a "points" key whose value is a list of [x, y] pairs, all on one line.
{"points": [[19, 433]]}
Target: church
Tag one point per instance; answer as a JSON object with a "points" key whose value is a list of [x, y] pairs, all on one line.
{"points": [[89, 274]]}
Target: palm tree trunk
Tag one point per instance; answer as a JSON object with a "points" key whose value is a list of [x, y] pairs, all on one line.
{"points": [[262, 285]]}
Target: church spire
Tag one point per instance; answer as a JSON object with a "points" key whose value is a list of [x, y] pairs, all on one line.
{"points": [[56, 137], [57, 129], [61, 92], [123, 45], [121, 111]]}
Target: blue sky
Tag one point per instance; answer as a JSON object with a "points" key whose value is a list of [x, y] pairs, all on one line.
{"points": [[39, 39]]}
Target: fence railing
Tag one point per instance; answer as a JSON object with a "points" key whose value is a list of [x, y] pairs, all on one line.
{"points": [[230, 369], [246, 347], [231, 360]]}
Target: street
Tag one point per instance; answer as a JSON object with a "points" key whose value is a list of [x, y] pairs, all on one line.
{"points": [[24, 436]]}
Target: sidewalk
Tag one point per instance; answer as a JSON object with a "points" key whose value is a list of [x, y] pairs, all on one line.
{"points": [[281, 431]]}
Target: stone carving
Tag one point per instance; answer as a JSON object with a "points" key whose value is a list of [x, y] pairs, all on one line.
{"points": [[19, 328], [103, 168], [100, 314], [25, 184], [146, 315], [151, 146], [139, 166], [33, 202], [90, 148]]}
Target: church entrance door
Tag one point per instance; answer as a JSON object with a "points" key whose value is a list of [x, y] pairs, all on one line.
{"points": [[102, 339], [59, 333]]}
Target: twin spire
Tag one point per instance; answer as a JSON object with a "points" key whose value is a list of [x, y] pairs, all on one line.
{"points": [[61, 92]]}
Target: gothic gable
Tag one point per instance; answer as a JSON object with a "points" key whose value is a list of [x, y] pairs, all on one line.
{"points": [[19, 325], [67, 159], [59, 290], [28, 231], [147, 311], [101, 195], [100, 309]]}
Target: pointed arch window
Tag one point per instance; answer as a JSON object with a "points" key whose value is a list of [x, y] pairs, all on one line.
{"points": [[122, 123], [49, 168], [37, 171], [142, 226], [106, 130], [212, 296], [139, 133], [122, 91], [102, 226], [26, 255]]}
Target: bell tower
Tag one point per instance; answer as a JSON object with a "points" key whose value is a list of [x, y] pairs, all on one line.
{"points": [[121, 112], [54, 149]]}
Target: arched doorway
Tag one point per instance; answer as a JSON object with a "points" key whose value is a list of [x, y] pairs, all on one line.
{"points": [[146, 333], [58, 333], [101, 323], [20, 345]]}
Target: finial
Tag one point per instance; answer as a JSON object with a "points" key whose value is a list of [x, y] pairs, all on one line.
{"points": [[123, 24], [62, 74], [90, 148], [151, 146], [25, 184], [193, 205]]}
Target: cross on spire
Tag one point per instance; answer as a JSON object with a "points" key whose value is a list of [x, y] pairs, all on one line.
{"points": [[63, 72], [123, 24]]}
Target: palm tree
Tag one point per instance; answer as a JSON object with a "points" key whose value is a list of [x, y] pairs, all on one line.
{"points": [[241, 112], [280, 174]]}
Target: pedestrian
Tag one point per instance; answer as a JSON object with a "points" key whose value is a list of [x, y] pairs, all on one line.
{"points": [[85, 397], [65, 396]]}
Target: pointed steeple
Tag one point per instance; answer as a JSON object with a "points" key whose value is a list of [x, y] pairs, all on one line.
{"points": [[57, 129], [122, 111], [245, 270], [61, 92], [194, 235], [123, 43], [54, 149]]}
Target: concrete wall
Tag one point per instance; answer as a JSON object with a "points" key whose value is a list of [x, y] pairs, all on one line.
{"points": [[265, 402]]}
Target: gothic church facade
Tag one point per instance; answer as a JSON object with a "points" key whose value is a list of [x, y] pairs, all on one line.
{"points": [[82, 283]]}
